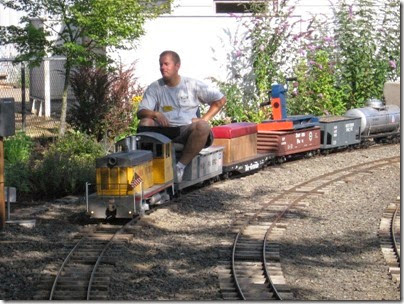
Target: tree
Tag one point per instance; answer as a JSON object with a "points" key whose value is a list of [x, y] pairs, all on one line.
{"points": [[79, 30]]}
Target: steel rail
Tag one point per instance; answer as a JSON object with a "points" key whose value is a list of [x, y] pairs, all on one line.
{"points": [[97, 263], [303, 196], [379, 163], [62, 267], [393, 233]]}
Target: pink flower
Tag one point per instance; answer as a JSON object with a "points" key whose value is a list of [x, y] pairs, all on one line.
{"points": [[237, 53], [392, 64], [262, 48], [311, 47]]}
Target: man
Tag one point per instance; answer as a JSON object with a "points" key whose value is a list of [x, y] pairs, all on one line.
{"points": [[173, 100]]}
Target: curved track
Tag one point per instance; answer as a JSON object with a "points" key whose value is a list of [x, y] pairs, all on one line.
{"points": [[390, 235], [254, 272]]}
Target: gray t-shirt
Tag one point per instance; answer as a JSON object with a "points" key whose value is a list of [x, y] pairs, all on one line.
{"points": [[179, 104]]}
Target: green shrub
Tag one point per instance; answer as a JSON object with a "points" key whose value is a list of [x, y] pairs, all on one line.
{"points": [[17, 148], [238, 107], [317, 92], [18, 175], [17, 152], [66, 166]]}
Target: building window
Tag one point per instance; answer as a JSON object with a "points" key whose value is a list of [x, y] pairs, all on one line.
{"points": [[226, 6]]}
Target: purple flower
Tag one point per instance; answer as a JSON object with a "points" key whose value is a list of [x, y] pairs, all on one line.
{"points": [[392, 64], [237, 53], [311, 47], [302, 52], [327, 39], [350, 12]]}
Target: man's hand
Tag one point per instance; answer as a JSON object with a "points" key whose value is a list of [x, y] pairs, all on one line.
{"points": [[151, 118], [161, 119]]}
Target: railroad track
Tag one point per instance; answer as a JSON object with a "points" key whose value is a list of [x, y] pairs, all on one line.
{"points": [[389, 235], [85, 272], [254, 271]]}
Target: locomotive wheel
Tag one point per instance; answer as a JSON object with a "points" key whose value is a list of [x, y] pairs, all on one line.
{"points": [[225, 175], [280, 160]]}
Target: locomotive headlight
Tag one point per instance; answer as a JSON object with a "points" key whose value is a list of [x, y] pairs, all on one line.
{"points": [[92, 212], [130, 212]]}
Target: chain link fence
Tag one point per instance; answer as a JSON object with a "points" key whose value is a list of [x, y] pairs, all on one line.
{"points": [[37, 93]]}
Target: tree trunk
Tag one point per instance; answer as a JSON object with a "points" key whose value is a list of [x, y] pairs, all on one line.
{"points": [[62, 127]]}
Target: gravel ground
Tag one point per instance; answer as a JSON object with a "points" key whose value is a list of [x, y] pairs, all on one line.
{"points": [[330, 252]]}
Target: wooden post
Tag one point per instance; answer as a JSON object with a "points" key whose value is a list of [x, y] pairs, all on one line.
{"points": [[2, 201], [47, 88]]}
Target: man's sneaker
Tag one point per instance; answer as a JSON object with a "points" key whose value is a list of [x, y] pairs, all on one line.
{"points": [[180, 173]]}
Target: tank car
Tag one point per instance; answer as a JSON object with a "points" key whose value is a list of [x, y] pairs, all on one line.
{"points": [[377, 120]]}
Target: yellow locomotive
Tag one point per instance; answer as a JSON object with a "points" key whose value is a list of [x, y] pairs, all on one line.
{"points": [[129, 181]]}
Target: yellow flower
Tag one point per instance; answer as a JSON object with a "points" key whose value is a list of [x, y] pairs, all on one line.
{"points": [[136, 99]]}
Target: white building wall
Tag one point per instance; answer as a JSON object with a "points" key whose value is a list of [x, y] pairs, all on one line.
{"points": [[199, 36], [8, 17]]}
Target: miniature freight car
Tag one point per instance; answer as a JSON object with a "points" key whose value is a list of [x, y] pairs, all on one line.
{"points": [[338, 132]]}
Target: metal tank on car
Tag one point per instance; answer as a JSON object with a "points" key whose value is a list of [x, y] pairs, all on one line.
{"points": [[377, 118]]}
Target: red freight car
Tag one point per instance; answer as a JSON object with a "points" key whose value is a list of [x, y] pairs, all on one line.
{"points": [[286, 143], [240, 147]]}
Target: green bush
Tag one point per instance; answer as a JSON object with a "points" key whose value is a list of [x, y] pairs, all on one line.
{"points": [[17, 148], [17, 152], [238, 107], [66, 166], [317, 91]]}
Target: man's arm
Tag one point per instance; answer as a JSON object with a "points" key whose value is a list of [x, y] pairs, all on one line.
{"points": [[158, 117], [214, 108]]}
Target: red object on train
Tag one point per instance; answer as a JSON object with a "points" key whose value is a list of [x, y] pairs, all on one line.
{"points": [[275, 125], [234, 130]]}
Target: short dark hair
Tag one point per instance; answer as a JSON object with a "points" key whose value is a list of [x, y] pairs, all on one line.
{"points": [[173, 55]]}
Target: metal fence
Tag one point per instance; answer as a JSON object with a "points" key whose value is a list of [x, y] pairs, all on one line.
{"points": [[37, 93]]}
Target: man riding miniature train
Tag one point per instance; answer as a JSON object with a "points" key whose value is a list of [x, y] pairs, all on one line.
{"points": [[173, 101]]}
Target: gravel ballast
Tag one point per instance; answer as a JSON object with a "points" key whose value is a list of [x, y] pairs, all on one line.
{"points": [[329, 252]]}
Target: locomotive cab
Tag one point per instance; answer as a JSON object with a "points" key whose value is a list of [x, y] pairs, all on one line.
{"points": [[161, 147]]}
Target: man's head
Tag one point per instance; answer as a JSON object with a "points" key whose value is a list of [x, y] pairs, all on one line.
{"points": [[170, 63]]}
